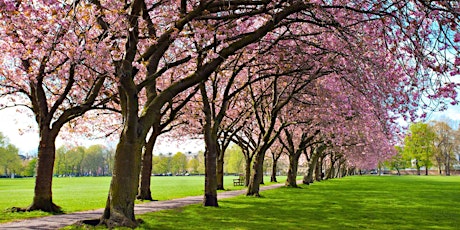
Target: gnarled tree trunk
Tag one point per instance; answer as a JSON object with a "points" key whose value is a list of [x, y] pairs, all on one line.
{"points": [[119, 210]]}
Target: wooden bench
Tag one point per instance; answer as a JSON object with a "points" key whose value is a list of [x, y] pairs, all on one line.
{"points": [[240, 181]]}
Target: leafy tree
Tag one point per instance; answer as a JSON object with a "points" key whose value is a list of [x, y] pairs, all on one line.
{"points": [[178, 163], [93, 162], [75, 158], [161, 164], [397, 162], [234, 160], [446, 143], [193, 165], [10, 162], [419, 145], [30, 168], [61, 162], [201, 160]]}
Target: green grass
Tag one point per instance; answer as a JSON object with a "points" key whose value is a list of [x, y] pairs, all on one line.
{"points": [[87, 193], [359, 202]]}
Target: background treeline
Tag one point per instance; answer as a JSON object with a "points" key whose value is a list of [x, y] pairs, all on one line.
{"points": [[11, 163], [193, 163], [97, 160], [429, 147]]}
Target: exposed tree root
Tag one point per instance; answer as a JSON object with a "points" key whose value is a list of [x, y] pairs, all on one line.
{"points": [[46, 207], [51, 208], [119, 222]]}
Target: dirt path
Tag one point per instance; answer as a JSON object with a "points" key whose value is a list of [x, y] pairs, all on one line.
{"points": [[60, 221]]}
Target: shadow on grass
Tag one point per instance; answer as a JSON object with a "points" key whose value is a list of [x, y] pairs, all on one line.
{"points": [[366, 203]]}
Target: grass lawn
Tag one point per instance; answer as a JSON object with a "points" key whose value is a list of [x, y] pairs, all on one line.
{"points": [[86, 193], [358, 202]]}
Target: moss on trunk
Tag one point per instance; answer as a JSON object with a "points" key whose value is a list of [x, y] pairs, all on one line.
{"points": [[119, 210]]}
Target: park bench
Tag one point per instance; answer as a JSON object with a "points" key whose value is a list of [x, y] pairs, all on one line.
{"points": [[239, 181]]}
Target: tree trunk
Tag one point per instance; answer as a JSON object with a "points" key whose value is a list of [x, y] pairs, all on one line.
{"points": [[211, 153], [318, 170], [119, 210], [292, 171], [262, 177], [257, 175], [447, 166], [329, 173], [247, 173], [144, 192], [418, 167], [43, 199], [210, 183], [340, 170], [274, 169], [308, 178], [220, 171], [331, 170]]}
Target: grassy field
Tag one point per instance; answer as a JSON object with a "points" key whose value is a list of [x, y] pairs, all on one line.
{"points": [[359, 202], [86, 193]]}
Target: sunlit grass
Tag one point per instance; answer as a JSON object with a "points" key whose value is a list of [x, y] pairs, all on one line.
{"points": [[87, 193], [359, 202]]}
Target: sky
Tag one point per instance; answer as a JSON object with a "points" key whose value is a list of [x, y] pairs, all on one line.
{"points": [[20, 128], [452, 113]]}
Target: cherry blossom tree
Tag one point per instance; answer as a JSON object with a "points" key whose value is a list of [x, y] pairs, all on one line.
{"points": [[314, 157], [295, 144], [168, 122], [52, 63], [387, 58], [147, 62]]}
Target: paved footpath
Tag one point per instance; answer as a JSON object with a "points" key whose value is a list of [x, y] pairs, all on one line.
{"points": [[60, 221]]}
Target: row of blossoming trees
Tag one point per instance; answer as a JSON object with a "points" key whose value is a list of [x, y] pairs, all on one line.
{"points": [[298, 76]]}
